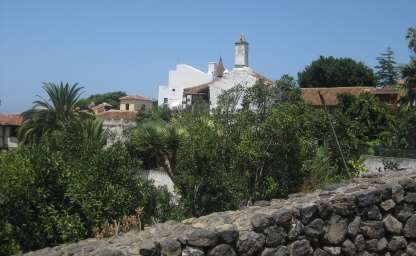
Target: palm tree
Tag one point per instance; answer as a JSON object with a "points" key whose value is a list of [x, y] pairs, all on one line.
{"points": [[160, 139], [409, 75], [411, 37], [49, 115]]}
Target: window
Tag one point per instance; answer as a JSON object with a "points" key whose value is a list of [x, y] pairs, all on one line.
{"points": [[13, 131], [127, 106], [165, 100]]}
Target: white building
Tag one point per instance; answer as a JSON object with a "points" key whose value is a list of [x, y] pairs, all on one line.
{"points": [[182, 77], [187, 83], [241, 74]]}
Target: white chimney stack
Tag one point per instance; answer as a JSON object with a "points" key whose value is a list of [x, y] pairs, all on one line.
{"points": [[241, 53], [212, 68]]}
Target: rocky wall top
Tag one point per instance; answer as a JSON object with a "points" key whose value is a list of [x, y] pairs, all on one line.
{"points": [[369, 216]]}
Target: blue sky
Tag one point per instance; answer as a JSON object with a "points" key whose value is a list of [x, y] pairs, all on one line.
{"points": [[131, 45]]}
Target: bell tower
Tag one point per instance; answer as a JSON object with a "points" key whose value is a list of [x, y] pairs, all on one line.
{"points": [[241, 52]]}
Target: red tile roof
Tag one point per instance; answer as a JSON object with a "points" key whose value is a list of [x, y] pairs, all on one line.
{"points": [[135, 97], [311, 95], [117, 114], [202, 87], [11, 119]]}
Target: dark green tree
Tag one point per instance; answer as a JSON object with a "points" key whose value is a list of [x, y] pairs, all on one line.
{"points": [[411, 37], [160, 140], [408, 71], [387, 72], [52, 114], [112, 98], [334, 72]]}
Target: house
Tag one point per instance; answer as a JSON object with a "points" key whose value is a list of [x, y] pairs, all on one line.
{"points": [[135, 103], [118, 121], [182, 77], [186, 83], [9, 123], [389, 95], [241, 74], [101, 107]]}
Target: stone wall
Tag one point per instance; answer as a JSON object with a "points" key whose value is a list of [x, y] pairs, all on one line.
{"points": [[368, 216]]}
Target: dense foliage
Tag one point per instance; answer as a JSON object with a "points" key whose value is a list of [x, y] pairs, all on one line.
{"points": [[48, 116], [387, 72], [262, 142], [265, 142], [411, 37], [65, 185], [60, 193], [112, 98], [333, 72]]}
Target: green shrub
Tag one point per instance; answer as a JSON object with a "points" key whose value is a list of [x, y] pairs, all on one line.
{"points": [[48, 198]]}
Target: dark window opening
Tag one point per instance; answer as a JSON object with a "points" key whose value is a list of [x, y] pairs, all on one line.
{"points": [[13, 131], [127, 106]]}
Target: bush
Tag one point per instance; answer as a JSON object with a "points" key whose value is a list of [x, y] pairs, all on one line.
{"points": [[333, 72], [48, 198]]}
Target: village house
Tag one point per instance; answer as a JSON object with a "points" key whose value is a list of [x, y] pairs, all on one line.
{"points": [[182, 77], [101, 107], [242, 74], [388, 95], [118, 121], [9, 123], [135, 103], [186, 83]]}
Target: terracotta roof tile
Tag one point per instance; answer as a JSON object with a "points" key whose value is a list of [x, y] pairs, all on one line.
{"points": [[202, 87], [311, 95], [11, 119], [134, 97], [117, 114]]}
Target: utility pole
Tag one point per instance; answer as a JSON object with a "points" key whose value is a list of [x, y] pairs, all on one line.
{"points": [[334, 133]]}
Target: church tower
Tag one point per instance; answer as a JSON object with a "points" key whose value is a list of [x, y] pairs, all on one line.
{"points": [[241, 52]]}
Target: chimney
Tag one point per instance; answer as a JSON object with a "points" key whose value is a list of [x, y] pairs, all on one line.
{"points": [[241, 52], [212, 68]]}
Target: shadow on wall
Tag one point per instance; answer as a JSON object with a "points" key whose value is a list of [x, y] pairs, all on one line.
{"points": [[378, 164]]}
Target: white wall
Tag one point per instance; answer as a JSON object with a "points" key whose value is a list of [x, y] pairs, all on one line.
{"points": [[238, 76], [160, 178], [10, 142], [183, 76], [117, 129], [374, 164]]}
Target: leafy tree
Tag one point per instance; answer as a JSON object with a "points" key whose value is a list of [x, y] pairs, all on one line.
{"points": [[50, 115], [287, 89], [368, 126], [409, 75], [159, 139], [408, 71], [386, 69], [333, 72], [202, 178], [411, 37], [52, 195], [229, 158], [112, 98]]}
